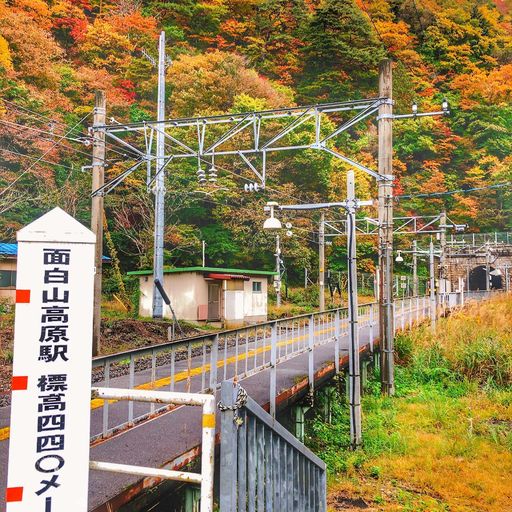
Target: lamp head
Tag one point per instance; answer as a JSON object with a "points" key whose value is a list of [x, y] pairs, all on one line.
{"points": [[272, 222], [399, 257]]}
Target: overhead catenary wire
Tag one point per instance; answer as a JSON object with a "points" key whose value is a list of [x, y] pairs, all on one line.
{"points": [[454, 192]]}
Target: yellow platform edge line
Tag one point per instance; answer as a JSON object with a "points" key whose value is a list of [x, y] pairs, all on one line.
{"points": [[166, 381]]}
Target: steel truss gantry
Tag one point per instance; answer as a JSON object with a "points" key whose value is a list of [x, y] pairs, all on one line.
{"points": [[423, 224], [243, 135]]}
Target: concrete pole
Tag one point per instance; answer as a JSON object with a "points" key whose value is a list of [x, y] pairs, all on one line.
{"points": [[98, 179], [385, 126], [415, 268], [203, 244], [487, 266], [278, 270], [321, 262], [507, 282], [353, 332], [433, 308], [159, 187], [305, 277], [442, 259]]}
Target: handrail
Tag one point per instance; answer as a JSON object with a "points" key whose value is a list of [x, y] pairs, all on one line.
{"points": [[98, 361], [262, 465], [207, 402]]}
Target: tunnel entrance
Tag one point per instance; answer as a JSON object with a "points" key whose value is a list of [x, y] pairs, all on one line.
{"points": [[477, 279]]}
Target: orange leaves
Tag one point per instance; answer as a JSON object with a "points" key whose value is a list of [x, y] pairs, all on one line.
{"points": [[212, 81], [34, 51], [396, 36], [491, 87], [138, 28], [5, 54]]}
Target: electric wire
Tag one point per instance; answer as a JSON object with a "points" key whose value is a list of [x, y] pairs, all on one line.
{"points": [[35, 158], [31, 113], [41, 157], [116, 148], [453, 192]]}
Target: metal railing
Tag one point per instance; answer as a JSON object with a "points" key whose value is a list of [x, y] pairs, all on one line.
{"points": [[207, 402], [200, 364], [263, 467], [480, 238]]}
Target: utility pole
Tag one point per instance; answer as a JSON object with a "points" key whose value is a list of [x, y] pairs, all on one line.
{"points": [[98, 179], [433, 306], [415, 268], [321, 262], [159, 186], [487, 266], [354, 370], [203, 244], [350, 206], [442, 259], [385, 190], [278, 270]]}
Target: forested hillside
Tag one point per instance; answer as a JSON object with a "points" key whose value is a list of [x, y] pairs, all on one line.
{"points": [[240, 55]]}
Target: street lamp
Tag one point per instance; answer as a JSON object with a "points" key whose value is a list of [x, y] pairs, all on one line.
{"points": [[350, 205], [272, 222], [399, 257]]}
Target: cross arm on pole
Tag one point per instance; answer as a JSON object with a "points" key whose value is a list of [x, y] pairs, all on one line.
{"points": [[372, 108], [109, 186], [318, 206], [357, 165]]}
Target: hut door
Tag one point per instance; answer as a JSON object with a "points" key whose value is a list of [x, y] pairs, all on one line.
{"points": [[213, 301]]}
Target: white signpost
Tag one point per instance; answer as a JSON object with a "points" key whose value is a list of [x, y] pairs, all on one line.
{"points": [[51, 384]]}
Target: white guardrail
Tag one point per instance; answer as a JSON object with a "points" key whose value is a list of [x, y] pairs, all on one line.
{"points": [[207, 402]]}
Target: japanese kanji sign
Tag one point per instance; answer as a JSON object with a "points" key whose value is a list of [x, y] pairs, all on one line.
{"points": [[50, 408]]}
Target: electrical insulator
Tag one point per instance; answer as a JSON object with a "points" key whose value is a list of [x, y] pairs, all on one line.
{"points": [[289, 233], [251, 187], [201, 176], [288, 225], [212, 175]]}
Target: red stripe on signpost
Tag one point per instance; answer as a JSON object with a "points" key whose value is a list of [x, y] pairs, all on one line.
{"points": [[13, 494], [22, 296], [19, 383]]}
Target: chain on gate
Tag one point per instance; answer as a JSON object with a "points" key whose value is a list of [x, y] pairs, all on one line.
{"points": [[241, 400]]}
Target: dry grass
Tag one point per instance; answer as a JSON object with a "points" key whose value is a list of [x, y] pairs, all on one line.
{"points": [[451, 424], [458, 457]]}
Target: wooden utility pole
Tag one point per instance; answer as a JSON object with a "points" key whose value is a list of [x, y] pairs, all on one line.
{"points": [[321, 263], [385, 125], [98, 179]]}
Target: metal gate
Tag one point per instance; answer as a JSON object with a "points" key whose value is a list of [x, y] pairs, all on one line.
{"points": [[263, 467]]}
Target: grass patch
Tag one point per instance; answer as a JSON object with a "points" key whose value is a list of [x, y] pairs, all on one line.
{"points": [[444, 442]]}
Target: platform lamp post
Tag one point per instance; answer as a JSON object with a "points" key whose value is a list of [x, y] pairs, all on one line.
{"points": [[350, 205]]}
